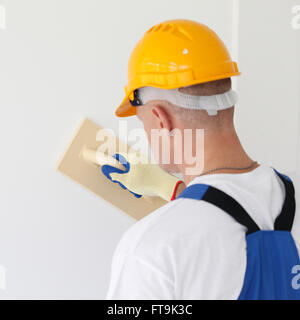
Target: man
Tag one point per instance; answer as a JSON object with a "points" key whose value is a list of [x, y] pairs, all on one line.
{"points": [[206, 243]]}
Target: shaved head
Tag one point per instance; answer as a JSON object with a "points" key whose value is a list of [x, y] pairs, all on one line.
{"points": [[200, 118], [208, 88]]}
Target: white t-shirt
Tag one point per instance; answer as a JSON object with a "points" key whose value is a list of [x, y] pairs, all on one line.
{"points": [[190, 249]]}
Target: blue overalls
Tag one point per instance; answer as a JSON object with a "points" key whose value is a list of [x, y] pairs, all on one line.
{"points": [[272, 255]]}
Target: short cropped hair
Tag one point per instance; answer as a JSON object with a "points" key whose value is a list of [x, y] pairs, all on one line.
{"points": [[208, 88]]}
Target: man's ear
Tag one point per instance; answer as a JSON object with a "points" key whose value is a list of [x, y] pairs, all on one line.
{"points": [[162, 117]]}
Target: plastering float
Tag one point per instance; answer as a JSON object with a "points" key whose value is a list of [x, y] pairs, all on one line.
{"points": [[82, 163]]}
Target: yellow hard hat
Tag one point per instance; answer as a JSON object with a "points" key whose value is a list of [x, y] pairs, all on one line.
{"points": [[173, 54]]}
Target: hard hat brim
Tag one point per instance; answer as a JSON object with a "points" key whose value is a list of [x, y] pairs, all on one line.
{"points": [[125, 109]]}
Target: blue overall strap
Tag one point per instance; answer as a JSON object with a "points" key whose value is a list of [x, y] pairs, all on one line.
{"points": [[285, 219], [283, 222], [272, 256], [221, 200]]}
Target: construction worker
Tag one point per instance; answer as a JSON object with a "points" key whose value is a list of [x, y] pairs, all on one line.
{"points": [[227, 229]]}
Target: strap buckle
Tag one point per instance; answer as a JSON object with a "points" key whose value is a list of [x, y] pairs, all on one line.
{"points": [[136, 99]]}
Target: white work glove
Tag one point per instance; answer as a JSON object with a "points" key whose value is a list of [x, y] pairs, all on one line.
{"points": [[142, 178]]}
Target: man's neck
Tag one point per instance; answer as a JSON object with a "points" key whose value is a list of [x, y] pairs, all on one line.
{"points": [[221, 150]]}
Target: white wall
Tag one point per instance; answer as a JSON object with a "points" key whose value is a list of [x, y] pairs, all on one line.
{"points": [[62, 60], [267, 111], [268, 117]]}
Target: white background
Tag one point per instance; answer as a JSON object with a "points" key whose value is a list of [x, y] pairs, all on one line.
{"points": [[62, 60]]}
